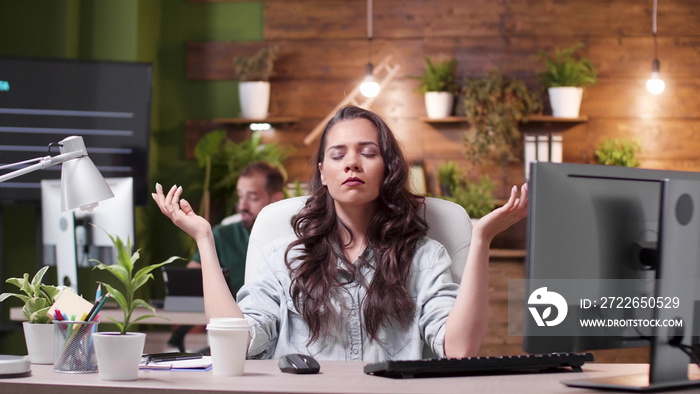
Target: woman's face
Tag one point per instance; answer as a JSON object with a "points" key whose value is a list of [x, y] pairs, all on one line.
{"points": [[352, 167]]}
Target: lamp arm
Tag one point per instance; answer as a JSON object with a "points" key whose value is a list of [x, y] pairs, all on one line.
{"points": [[44, 162]]}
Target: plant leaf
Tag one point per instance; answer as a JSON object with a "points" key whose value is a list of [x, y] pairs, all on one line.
{"points": [[5, 296], [119, 324]]}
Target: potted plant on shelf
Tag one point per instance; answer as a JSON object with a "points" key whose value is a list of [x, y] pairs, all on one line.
{"points": [[119, 353], [495, 105], [437, 83], [618, 152], [565, 78], [38, 330], [477, 198], [254, 82], [448, 177]]}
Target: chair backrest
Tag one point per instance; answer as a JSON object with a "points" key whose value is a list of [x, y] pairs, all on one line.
{"points": [[449, 224]]}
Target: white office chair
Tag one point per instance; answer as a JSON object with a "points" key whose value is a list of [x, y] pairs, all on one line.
{"points": [[449, 224]]}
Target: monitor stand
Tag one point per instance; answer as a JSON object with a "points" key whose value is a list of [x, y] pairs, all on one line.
{"points": [[66, 254], [676, 276]]}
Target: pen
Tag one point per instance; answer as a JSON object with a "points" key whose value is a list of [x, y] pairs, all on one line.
{"points": [[57, 315], [93, 313], [94, 306]]}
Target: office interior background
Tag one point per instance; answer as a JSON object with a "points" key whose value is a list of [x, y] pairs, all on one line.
{"points": [[324, 49]]}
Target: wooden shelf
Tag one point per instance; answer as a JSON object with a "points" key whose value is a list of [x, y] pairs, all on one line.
{"points": [[449, 119], [531, 118], [507, 253], [243, 121], [196, 128]]}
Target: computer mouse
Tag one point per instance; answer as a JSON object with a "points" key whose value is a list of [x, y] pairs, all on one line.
{"points": [[298, 363]]}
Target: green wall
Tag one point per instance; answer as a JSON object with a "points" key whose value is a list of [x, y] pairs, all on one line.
{"points": [[154, 31]]}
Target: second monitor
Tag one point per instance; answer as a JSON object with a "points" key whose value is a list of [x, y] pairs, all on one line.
{"points": [[620, 248], [69, 238]]}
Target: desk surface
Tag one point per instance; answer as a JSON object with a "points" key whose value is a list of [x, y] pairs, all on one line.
{"points": [[162, 317], [335, 377]]}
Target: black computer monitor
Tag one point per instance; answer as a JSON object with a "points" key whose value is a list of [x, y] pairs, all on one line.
{"points": [[609, 242]]}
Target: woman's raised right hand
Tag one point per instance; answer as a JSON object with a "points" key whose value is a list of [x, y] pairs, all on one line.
{"points": [[181, 213]]}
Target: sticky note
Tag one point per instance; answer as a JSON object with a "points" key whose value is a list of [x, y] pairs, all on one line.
{"points": [[70, 304]]}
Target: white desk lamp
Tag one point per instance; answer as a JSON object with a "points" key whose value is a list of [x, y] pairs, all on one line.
{"points": [[82, 185]]}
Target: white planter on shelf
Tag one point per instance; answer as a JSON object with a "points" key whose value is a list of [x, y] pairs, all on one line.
{"points": [[254, 97], [439, 104], [40, 342], [565, 101], [118, 356]]}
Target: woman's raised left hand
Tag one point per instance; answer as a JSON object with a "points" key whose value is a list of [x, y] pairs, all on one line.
{"points": [[505, 216]]}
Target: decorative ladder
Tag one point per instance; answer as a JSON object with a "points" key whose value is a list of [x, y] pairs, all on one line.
{"points": [[384, 72]]}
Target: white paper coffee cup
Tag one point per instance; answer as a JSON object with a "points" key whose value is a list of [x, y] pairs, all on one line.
{"points": [[228, 341]]}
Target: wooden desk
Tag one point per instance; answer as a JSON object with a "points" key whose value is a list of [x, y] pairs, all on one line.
{"points": [[162, 317], [335, 377]]}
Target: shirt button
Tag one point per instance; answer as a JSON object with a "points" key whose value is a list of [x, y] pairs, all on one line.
{"points": [[353, 313], [354, 351]]}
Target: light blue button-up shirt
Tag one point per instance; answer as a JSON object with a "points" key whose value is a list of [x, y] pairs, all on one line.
{"points": [[278, 329]]}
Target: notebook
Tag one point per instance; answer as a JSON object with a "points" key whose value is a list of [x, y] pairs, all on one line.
{"points": [[184, 292]]}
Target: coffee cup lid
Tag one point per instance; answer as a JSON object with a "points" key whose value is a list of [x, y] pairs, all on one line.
{"points": [[227, 322]]}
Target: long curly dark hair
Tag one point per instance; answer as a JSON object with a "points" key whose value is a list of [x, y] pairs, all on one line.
{"points": [[392, 237]]}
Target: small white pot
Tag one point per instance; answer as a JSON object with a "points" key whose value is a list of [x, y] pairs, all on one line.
{"points": [[565, 101], [40, 342], [118, 356], [254, 97], [439, 104]]}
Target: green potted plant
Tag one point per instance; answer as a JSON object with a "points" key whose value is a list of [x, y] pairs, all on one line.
{"points": [[448, 177], [38, 330], [119, 353], [476, 197], [618, 152], [495, 105], [438, 85], [565, 78], [222, 160], [254, 74]]}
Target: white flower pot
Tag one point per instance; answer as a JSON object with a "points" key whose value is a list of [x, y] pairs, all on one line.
{"points": [[40, 342], [439, 104], [118, 356], [565, 101], [254, 97]]}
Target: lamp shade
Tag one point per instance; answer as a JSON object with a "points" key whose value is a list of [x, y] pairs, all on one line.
{"points": [[82, 185]]}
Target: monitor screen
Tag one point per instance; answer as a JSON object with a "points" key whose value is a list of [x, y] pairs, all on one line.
{"points": [[607, 242], [45, 100]]}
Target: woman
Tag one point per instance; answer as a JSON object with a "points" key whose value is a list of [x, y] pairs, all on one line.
{"points": [[359, 280]]}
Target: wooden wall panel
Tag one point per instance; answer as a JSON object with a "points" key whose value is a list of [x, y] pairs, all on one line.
{"points": [[614, 57], [342, 19]]}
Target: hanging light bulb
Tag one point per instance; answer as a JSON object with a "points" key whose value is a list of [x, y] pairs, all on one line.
{"points": [[655, 85], [369, 86]]}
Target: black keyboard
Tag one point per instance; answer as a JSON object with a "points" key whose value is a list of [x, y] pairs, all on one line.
{"points": [[479, 365]]}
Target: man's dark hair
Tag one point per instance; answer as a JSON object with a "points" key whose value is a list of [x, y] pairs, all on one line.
{"points": [[275, 179]]}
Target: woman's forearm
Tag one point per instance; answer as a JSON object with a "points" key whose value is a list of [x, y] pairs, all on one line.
{"points": [[467, 323], [218, 300]]}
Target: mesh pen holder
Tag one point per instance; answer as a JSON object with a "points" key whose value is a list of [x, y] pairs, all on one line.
{"points": [[74, 347]]}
